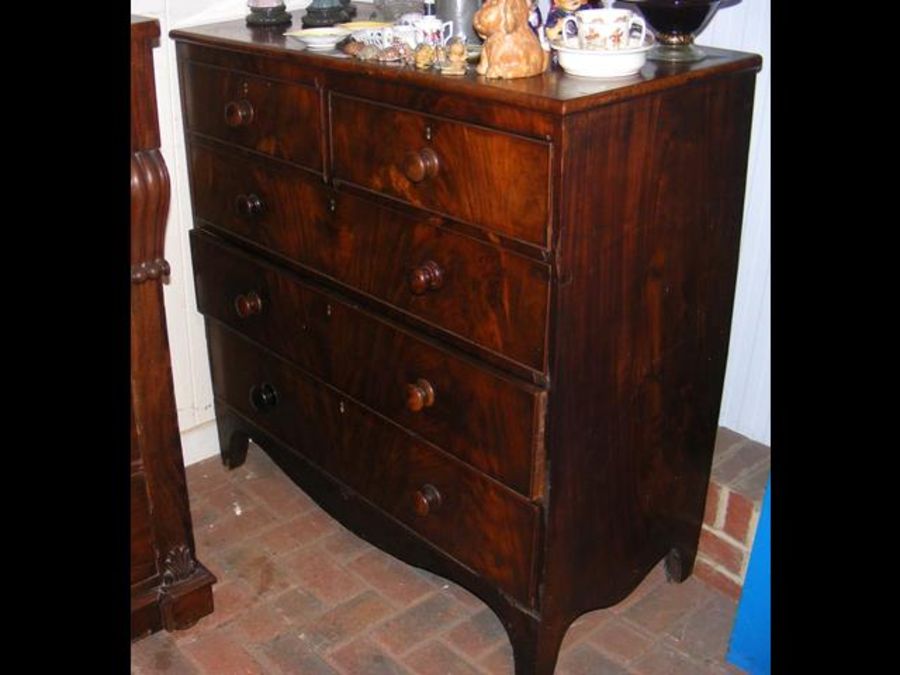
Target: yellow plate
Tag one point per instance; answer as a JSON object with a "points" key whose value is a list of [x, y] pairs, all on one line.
{"points": [[362, 25]]}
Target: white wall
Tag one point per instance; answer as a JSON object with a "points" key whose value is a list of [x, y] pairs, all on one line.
{"points": [[745, 404], [187, 341]]}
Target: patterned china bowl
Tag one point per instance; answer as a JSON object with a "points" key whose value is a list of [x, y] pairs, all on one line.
{"points": [[320, 39], [601, 63]]}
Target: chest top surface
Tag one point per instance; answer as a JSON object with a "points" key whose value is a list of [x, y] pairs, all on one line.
{"points": [[553, 92]]}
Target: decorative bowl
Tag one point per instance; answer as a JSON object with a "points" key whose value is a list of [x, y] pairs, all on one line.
{"points": [[320, 39], [675, 23], [601, 63]]}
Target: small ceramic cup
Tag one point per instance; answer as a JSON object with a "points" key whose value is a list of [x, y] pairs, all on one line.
{"points": [[402, 33], [431, 30], [410, 19], [607, 29]]}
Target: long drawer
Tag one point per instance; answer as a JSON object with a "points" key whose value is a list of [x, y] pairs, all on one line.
{"points": [[485, 177], [481, 292], [469, 516], [493, 422], [277, 118]]}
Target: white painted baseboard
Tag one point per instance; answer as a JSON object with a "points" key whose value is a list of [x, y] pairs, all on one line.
{"points": [[199, 443]]}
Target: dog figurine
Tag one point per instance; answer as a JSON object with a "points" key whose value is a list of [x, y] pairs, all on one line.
{"points": [[511, 49]]}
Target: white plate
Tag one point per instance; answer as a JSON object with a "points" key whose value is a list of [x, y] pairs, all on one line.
{"points": [[320, 39], [602, 63]]}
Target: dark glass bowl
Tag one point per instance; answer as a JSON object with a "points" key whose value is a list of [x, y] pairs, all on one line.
{"points": [[675, 23]]}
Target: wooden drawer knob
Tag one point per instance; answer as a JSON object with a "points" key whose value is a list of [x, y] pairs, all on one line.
{"points": [[426, 277], [238, 113], [426, 500], [417, 166], [248, 206], [419, 395], [263, 397], [247, 304]]}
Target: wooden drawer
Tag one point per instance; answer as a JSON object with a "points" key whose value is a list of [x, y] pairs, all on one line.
{"points": [[483, 293], [270, 116], [475, 520], [485, 177], [492, 422]]}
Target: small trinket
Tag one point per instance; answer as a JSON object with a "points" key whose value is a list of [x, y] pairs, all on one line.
{"points": [[554, 26], [406, 53], [350, 46], [440, 55], [455, 63], [368, 53], [267, 14], [391, 53], [424, 56]]}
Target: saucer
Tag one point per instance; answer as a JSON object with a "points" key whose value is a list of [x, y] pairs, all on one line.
{"points": [[320, 39], [354, 26], [602, 63]]}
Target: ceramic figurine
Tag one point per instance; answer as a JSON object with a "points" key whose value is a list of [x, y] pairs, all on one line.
{"points": [[536, 23], [511, 49], [535, 18], [424, 56], [455, 63], [368, 53], [559, 10]]}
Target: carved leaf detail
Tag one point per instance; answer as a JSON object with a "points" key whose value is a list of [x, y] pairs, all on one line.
{"points": [[178, 565]]}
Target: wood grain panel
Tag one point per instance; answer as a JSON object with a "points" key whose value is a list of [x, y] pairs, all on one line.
{"points": [[642, 339], [143, 555], [489, 295], [480, 523], [489, 420], [483, 177], [281, 119]]}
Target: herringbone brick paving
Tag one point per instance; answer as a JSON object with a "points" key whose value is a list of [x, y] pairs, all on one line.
{"points": [[298, 593]]}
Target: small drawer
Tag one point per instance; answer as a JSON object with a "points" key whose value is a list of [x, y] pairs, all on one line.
{"points": [[478, 291], [490, 421], [269, 116], [459, 510], [485, 177]]}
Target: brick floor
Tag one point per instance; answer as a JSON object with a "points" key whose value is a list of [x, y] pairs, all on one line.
{"points": [[297, 593]]}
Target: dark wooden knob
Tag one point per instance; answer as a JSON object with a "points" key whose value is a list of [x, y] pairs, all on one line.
{"points": [[238, 113], [426, 277], [417, 166], [247, 304], [263, 397], [248, 206], [419, 395], [426, 500]]}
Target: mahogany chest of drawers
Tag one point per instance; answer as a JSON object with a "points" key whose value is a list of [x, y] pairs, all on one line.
{"points": [[484, 324]]}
